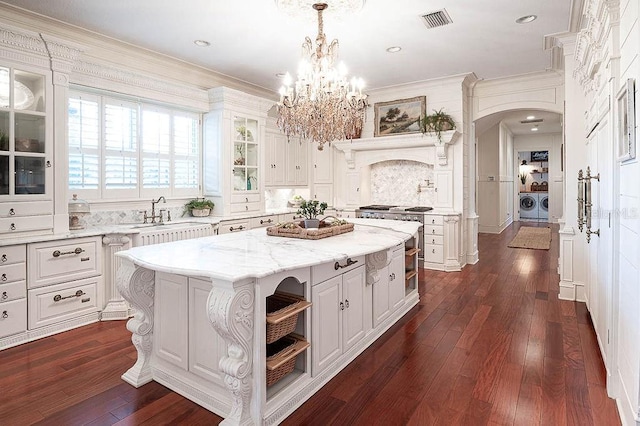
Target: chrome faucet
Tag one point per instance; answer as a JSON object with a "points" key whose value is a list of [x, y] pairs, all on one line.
{"points": [[153, 210]]}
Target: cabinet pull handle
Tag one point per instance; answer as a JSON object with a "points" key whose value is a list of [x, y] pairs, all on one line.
{"points": [[341, 306], [12, 212], [350, 262], [5, 314], [265, 221], [3, 258], [5, 296], [239, 228], [58, 298], [4, 277], [346, 303], [58, 253], [13, 227]]}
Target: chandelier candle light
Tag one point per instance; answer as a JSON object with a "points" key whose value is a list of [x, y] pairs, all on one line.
{"points": [[323, 105]]}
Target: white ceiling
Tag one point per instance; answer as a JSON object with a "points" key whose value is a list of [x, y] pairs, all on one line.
{"points": [[252, 40]]}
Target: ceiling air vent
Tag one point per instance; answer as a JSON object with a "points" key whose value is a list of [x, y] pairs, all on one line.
{"points": [[438, 18], [537, 120]]}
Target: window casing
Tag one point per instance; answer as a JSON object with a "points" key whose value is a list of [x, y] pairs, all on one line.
{"points": [[125, 149]]}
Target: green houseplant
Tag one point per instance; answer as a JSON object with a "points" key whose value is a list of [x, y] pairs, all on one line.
{"points": [[310, 209], [199, 207], [523, 178], [437, 123]]}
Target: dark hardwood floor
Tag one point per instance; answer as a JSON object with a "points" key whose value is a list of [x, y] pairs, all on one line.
{"points": [[489, 345]]}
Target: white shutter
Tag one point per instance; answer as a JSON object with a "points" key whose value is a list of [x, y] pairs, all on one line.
{"points": [[156, 151], [186, 153], [120, 148], [84, 145]]}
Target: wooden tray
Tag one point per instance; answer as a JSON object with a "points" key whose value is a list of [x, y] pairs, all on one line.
{"points": [[294, 230]]}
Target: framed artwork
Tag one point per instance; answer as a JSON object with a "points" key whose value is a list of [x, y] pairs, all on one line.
{"points": [[627, 122], [399, 117]]}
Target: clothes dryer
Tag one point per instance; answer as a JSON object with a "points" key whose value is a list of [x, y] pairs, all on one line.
{"points": [[543, 205], [529, 205]]}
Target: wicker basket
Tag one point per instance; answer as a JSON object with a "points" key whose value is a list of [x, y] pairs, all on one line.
{"points": [[294, 230], [281, 356], [282, 314]]}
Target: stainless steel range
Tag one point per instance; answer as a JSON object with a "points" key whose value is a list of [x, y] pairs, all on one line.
{"points": [[406, 213]]}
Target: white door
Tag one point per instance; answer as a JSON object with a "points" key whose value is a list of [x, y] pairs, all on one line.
{"points": [[353, 283], [396, 280], [326, 323]]}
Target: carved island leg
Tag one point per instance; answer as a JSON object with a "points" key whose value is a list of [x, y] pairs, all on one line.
{"points": [[231, 313], [137, 286]]}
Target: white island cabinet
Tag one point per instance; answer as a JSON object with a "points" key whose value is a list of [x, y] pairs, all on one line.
{"points": [[201, 307]]}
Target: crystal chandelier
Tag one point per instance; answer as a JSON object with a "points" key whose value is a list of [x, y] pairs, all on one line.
{"points": [[322, 105]]}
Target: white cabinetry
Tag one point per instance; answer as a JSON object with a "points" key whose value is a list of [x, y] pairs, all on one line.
{"points": [[443, 187], [297, 163], [234, 135], [13, 290], [26, 135], [442, 242], [338, 315], [322, 174], [388, 292], [275, 156]]}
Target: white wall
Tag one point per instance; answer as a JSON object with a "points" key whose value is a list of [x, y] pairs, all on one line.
{"points": [[489, 180]]}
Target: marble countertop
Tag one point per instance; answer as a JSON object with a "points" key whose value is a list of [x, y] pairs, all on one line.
{"points": [[254, 254]]}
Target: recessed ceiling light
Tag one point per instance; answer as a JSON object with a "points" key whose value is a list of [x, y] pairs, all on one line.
{"points": [[201, 43], [531, 117], [526, 19], [534, 129], [394, 49]]}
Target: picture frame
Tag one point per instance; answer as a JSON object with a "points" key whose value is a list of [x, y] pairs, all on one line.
{"points": [[626, 122], [398, 117]]}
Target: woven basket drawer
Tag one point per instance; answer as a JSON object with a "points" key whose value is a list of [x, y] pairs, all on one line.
{"points": [[282, 314], [281, 356]]}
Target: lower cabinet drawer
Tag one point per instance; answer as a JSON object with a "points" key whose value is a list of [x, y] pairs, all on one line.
{"points": [[54, 262], [433, 253], [434, 239], [264, 221], [13, 317], [433, 230], [321, 273], [13, 291], [48, 305], [235, 226], [245, 198]]}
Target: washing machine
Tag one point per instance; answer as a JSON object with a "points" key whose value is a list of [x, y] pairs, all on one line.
{"points": [[543, 210], [529, 205]]}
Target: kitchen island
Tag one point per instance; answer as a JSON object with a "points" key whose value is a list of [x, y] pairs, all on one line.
{"points": [[200, 305]]}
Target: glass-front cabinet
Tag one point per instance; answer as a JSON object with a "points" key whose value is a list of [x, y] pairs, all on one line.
{"points": [[25, 170], [245, 154], [233, 151]]}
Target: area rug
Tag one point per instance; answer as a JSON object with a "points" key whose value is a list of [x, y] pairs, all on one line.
{"points": [[530, 237]]}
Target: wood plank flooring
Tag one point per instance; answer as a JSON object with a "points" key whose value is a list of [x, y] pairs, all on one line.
{"points": [[491, 345]]}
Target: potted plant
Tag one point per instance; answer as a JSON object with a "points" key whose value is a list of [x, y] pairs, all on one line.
{"points": [[310, 209], [199, 207], [523, 180], [437, 123]]}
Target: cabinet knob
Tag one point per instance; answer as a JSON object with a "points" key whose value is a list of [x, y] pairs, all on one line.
{"points": [[5, 296], [246, 199], [48, 163], [13, 227], [433, 251], [346, 303], [3, 258], [4, 277], [341, 306], [433, 231], [5, 314], [433, 221], [12, 212]]}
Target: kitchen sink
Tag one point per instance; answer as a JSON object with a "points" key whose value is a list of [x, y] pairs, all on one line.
{"points": [[166, 225]]}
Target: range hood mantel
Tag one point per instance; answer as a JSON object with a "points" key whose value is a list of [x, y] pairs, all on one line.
{"points": [[395, 145]]}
